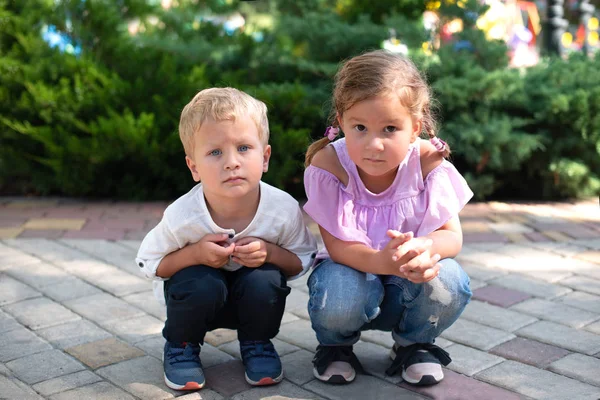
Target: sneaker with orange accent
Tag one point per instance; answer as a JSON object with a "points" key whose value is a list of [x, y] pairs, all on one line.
{"points": [[263, 366], [183, 369]]}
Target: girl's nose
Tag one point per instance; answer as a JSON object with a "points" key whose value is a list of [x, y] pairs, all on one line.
{"points": [[375, 143]]}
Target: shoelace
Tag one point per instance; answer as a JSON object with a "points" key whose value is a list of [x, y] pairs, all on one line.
{"points": [[258, 349], [404, 353], [189, 353], [325, 355]]}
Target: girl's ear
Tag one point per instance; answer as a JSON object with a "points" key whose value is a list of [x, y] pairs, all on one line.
{"points": [[338, 118], [417, 126]]}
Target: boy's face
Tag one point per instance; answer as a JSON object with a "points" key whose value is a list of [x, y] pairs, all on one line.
{"points": [[229, 158]]}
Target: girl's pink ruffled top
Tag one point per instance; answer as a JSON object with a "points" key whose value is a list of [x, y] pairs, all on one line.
{"points": [[353, 213]]}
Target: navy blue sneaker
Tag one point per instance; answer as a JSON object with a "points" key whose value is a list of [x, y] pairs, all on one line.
{"points": [[183, 370], [263, 366]]}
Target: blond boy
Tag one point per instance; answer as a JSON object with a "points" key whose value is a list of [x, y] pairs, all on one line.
{"points": [[223, 252]]}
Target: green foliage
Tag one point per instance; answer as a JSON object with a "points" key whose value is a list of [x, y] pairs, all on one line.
{"points": [[104, 122]]}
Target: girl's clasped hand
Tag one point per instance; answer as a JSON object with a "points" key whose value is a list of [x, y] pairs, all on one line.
{"points": [[410, 258]]}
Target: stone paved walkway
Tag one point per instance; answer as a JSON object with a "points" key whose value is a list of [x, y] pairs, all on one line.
{"points": [[77, 321]]}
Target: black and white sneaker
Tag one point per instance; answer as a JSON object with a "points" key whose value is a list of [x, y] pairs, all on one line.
{"points": [[336, 364], [421, 363]]}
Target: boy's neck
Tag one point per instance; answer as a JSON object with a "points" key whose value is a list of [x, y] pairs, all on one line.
{"points": [[236, 213]]}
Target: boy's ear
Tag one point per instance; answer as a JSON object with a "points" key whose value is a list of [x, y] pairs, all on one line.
{"points": [[193, 169], [266, 158]]}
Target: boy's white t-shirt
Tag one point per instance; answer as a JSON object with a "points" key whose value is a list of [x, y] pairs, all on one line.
{"points": [[278, 220]]}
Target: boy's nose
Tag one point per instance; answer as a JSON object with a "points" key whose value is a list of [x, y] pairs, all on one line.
{"points": [[232, 162]]}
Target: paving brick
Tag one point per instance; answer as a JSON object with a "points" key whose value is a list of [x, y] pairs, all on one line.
{"points": [[496, 317], [363, 387], [212, 356], [106, 277], [288, 317], [42, 233], [69, 289], [66, 382], [282, 348], [499, 296], [227, 379], [136, 329], [475, 284], [7, 323], [378, 337], [301, 313], [20, 342], [298, 367], [482, 274], [469, 361], [591, 256], [55, 223], [131, 244], [296, 300], [375, 359], [509, 227], [476, 335], [47, 250], [147, 302], [475, 226], [530, 286], [37, 275], [536, 237], [579, 367], [537, 383], [584, 284], [97, 391], [10, 389], [100, 233], [581, 300], [284, 390], [9, 233], [40, 313], [104, 352], [43, 366], [556, 312], [484, 237], [220, 336], [103, 308], [299, 333], [154, 347], [12, 222], [12, 291], [529, 352], [73, 334], [142, 377], [562, 336], [551, 276], [556, 236], [204, 394], [459, 387], [109, 252], [595, 327]]}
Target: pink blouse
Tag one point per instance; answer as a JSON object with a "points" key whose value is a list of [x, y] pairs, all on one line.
{"points": [[353, 213]]}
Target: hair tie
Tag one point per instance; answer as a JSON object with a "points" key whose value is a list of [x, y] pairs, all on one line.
{"points": [[331, 132], [439, 144]]}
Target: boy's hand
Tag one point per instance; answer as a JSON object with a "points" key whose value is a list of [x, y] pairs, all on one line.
{"points": [[213, 250], [250, 252], [421, 268]]}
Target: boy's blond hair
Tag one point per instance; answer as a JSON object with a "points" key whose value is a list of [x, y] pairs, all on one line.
{"points": [[221, 104]]}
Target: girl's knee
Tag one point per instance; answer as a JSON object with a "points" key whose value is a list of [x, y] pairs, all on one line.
{"points": [[452, 286], [342, 298]]}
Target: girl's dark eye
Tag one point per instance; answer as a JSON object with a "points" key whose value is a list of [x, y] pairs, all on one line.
{"points": [[390, 129], [360, 128]]}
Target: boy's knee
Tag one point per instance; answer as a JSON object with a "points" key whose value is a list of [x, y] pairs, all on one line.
{"points": [[197, 292], [266, 285]]}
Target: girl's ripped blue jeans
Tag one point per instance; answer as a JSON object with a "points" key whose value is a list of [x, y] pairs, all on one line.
{"points": [[344, 301]]}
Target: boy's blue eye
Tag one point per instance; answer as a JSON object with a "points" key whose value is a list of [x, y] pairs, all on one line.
{"points": [[243, 148], [215, 153]]}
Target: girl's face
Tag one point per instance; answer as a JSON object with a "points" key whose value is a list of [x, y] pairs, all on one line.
{"points": [[378, 134]]}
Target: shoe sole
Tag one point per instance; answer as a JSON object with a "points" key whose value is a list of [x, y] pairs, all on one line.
{"points": [[187, 386], [265, 381], [335, 379], [426, 380]]}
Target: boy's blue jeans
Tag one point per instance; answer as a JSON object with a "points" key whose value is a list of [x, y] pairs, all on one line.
{"points": [[200, 298], [344, 301]]}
